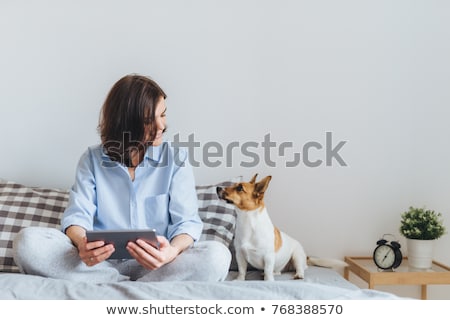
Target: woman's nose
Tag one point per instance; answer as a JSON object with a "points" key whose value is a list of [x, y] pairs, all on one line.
{"points": [[161, 124]]}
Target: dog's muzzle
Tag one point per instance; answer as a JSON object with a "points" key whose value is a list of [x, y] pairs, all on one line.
{"points": [[221, 193]]}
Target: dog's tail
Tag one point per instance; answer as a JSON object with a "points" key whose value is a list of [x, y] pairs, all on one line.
{"points": [[326, 263]]}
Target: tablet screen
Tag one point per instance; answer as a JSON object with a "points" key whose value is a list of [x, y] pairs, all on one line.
{"points": [[120, 238]]}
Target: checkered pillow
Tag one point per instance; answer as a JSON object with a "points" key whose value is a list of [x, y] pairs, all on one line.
{"points": [[21, 207], [219, 217]]}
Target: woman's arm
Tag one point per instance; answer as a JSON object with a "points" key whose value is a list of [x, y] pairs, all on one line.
{"points": [[77, 234], [82, 206], [183, 205], [181, 242]]}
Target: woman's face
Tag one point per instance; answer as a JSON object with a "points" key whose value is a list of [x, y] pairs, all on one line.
{"points": [[160, 122]]}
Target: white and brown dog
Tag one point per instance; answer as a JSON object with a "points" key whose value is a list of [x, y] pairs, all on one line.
{"points": [[257, 241]]}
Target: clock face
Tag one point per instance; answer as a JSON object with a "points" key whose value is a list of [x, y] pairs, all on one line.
{"points": [[384, 256]]}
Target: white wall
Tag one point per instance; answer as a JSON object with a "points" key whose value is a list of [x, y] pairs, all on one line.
{"points": [[374, 73]]}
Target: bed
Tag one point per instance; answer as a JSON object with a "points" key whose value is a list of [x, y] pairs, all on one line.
{"points": [[22, 206]]}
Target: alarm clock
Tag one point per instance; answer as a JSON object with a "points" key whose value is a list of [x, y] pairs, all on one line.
{"points": [[387, 254]]}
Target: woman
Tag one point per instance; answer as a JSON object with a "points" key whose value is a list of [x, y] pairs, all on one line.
{"points": [[132, 180]]}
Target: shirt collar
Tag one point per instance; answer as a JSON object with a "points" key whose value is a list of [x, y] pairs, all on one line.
{"points": [[154, 153]]}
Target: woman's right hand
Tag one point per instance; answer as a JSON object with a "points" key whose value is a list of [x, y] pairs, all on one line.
{"points": [[94, 252], [90, 253]]}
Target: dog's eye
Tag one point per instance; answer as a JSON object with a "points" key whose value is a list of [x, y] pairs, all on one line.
{"points": [[239, 188]]}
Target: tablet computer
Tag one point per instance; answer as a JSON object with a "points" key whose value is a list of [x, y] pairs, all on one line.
{"points": [[120, 238]]}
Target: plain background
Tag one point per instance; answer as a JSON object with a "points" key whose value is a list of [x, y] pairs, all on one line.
{"points": [[374, 73]]}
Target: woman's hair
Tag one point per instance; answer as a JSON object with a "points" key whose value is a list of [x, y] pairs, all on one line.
{"points": [[128, 109]]}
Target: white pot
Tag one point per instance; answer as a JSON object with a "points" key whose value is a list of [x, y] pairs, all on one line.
{"points": [[420, 253]]}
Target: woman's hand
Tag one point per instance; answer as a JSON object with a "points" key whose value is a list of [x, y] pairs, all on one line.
{"points": [[152, 258], [92, 253]]}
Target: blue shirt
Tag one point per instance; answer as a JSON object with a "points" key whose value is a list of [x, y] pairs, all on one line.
{"points": [[162, 195]]}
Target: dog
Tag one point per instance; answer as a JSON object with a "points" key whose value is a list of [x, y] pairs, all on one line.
{"points": [[257, 241]]}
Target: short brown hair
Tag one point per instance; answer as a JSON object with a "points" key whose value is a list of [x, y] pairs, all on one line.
{"points": [[128, 108]]}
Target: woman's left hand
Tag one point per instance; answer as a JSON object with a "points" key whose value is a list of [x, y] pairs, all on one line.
{"points": [[150, 257]]}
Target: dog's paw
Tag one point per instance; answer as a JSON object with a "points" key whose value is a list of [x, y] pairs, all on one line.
{"points": [[240, 278], [298, 276], [269, 277]]}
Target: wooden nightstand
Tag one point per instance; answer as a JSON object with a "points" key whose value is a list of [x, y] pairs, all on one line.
{"points": [[365, 268]]}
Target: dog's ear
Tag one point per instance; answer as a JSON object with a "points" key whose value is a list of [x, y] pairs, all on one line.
{"points": [[261, 186], [253, 179]]}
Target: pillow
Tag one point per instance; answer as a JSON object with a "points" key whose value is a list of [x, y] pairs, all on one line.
{"points": [[219, 217], [22, 206]]}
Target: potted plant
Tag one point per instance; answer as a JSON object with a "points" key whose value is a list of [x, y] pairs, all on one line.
{"points": [[421, 227]]}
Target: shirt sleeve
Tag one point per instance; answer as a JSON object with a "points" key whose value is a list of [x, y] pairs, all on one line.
{"points": [[82, 204], [183, 203]]}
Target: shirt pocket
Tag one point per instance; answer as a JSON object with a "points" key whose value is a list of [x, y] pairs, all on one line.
{"points": [[157, 212]]}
